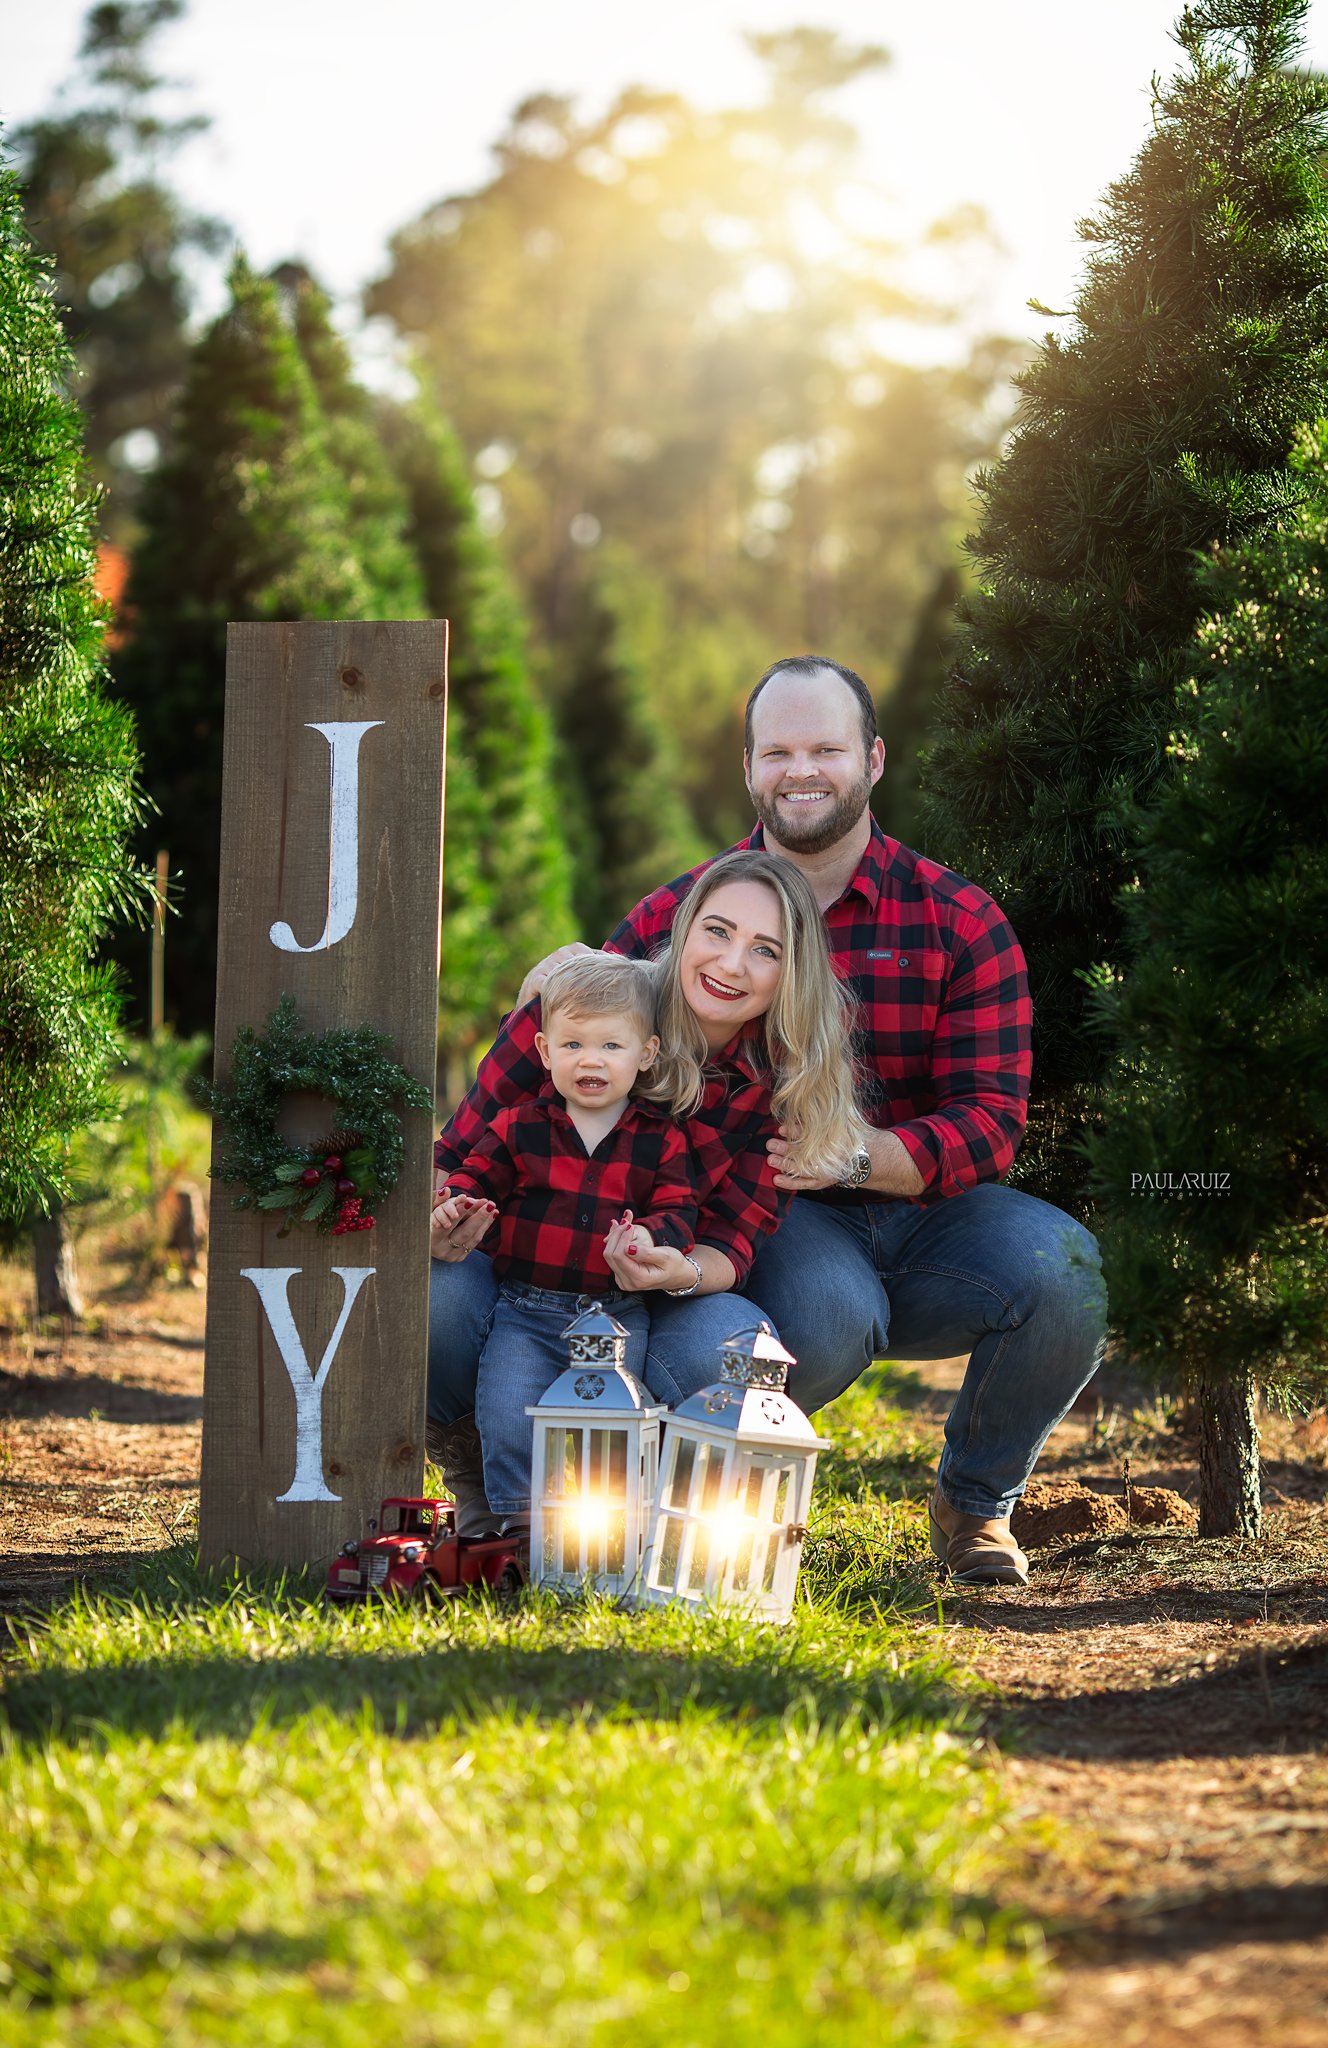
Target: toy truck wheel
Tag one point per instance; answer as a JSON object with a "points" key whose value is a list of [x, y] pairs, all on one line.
{"points": [[429, 1591], [509, 1582]]}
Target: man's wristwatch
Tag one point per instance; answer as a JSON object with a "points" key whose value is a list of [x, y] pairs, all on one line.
{"points": [[681, 1293], [859, 1171]]}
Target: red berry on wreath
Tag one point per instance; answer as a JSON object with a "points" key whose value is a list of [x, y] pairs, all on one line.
{"points": [[345, 1187], [311, 1177], [333, 1163]]}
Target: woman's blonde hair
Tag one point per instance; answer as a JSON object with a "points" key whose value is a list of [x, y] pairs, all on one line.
{"points": [[805, 1035]]}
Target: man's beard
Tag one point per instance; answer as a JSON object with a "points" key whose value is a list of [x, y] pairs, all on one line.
{"points": [[825, 823]]}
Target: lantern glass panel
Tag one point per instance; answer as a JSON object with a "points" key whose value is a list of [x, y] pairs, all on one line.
{"points": [[755, 1487], [550, 1559], [782, 1495], [666, 1568], [700, 1564], [712, 1477], [742, 1564], [680, 1485], [617, 1541], [571, 1462]]}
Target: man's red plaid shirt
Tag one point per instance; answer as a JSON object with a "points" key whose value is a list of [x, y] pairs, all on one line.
{"points": [[738, 1203], [556, 1200], [942, 1043]]}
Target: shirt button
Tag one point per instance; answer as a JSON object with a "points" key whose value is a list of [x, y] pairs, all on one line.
{"points": [[585, 1216]]}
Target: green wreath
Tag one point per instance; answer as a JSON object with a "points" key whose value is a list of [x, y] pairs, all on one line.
{"points": [[334, 1183]]}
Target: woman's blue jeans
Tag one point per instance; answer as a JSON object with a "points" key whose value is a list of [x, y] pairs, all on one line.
{"points": [[993, 1274], [681, 1350], [522, 1357]]}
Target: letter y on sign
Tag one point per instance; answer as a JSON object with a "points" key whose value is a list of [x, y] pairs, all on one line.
{"points": [[272, 1283], [343, 867]]}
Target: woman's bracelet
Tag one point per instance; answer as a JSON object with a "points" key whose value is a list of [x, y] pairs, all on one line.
{"points": [[681, 1293]]}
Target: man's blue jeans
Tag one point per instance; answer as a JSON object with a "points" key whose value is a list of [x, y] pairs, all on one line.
{"points": [[992, 1273]]}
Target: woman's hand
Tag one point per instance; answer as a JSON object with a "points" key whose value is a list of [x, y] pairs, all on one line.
{"points": [[777, 1151], [638, 1264], [458, 1222]]}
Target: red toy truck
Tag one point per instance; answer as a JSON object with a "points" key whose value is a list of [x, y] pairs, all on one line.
{"points": [[413, 1551]]}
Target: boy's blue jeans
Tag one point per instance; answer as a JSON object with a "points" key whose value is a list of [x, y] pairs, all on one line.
{"points": [[993, 1274], [522, 1356]]}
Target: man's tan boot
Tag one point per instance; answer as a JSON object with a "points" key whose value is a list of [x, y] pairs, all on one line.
{"points": [[455, 1448], [976, 1551]]}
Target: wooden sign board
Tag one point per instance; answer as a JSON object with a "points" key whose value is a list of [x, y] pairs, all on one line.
{"points": [[331, 858]]}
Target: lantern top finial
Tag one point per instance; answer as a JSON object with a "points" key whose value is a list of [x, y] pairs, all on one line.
{"points": [[593, 1322], [754, 1357]]}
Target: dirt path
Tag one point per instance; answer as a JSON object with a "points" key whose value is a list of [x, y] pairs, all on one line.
{"points": [[1159, 1706]]}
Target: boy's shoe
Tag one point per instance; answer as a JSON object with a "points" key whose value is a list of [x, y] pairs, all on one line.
{"points": [[976, 1550], [455, 1448]]}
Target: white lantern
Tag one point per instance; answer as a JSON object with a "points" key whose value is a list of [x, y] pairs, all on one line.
{"points": [[735, 1487], [594, 1463]]}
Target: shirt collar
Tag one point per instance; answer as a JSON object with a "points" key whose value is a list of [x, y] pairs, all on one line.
{"points": [[868, 878], [552, 1103]]}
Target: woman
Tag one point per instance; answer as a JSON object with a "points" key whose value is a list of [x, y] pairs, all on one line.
{"points": [[748, 992]]}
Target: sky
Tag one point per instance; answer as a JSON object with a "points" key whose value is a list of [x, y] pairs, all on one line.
{"points": [[335, 121]]}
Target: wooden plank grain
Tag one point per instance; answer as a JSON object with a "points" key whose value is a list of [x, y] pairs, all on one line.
{"points": [[282, 682]]}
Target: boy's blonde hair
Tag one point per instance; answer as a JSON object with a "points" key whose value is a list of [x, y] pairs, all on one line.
{"points": [[596, 984]]}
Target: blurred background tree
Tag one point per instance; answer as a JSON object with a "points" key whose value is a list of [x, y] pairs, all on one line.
{"points": [[661, 331], [93, 173], [1158, 429], [249, 517], [507, 873], [1220, 1024], [69, 789]]}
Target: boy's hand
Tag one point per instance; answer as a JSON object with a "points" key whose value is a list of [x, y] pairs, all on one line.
{"points": [[458, 1222], [638, 1264]]}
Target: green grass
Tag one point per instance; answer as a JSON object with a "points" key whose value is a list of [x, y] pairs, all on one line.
{"points": [[234, 1816]]}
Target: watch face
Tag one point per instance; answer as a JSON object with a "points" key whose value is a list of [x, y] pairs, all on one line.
{"points": [[859, 1170]]}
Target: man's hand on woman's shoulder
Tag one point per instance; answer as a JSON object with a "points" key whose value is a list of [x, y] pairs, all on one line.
{"points": [[542, 969]]}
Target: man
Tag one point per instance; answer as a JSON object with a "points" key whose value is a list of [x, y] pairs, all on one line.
{"points": [[921, 1253]]}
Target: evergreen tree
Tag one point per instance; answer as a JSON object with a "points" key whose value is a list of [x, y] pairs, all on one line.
{"points": [[68, 764], [1158, 429], [907, 713], [1222, 1019], [121, 241], [507, 879], [248, 519], [378, 507], [632, 829]]}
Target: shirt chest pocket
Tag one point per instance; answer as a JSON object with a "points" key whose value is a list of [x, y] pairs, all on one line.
{"points": [[900, 996]]}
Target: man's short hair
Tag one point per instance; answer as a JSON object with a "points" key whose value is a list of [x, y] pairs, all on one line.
{"points": [[596, 984], [807, 665]]}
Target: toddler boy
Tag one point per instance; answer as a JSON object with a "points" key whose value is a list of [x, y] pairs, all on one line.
{"points": [[558, 1170]]}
